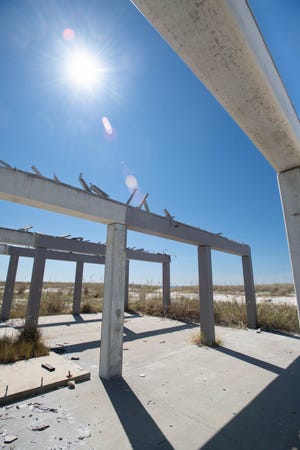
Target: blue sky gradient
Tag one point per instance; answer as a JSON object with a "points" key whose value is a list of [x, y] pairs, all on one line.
{"points": [[168, 132]]}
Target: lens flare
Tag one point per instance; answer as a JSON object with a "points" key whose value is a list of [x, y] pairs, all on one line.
{"points": [[131, 182], [68, 34], [107, 126]]}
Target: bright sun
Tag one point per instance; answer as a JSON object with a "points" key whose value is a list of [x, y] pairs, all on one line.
{"points": [[83, 69]]}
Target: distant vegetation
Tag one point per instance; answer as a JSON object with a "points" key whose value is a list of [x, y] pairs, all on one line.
{"points": [[57, 298]]}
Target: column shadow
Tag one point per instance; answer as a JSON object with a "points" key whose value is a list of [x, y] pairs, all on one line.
{"points": [[269, 421], [140, 428]]}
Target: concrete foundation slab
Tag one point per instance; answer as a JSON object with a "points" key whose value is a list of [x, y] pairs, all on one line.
{"points": [[24, 378], [173, 395]]}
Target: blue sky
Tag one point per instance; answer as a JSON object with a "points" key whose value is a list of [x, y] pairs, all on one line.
{"points": [[168, 132]]}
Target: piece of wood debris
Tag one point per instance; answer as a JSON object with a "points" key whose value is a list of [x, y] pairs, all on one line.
{"points": [[48, 367]]}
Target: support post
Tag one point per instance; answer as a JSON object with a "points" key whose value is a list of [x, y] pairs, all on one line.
{"points": [[289, 184], [77, 287], [9, 287], [36, 285], [249, 291], [126, 303], [111, 353], [166, 285], [206, 295]]}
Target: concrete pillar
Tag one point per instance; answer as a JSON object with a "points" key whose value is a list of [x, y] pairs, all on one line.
{"points": [[9, 287], [207, 323], [36, 285], [126, 286], [111, 353], [77, 287], [166, 285], [289, 184], [249, 291]]}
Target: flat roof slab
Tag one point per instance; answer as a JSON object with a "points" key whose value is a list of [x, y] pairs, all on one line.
{"points": [[24, 378], [173, 395]]}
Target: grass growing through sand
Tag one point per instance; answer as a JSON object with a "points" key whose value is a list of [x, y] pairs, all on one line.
{"points": [[57, 298], [27, 344]]}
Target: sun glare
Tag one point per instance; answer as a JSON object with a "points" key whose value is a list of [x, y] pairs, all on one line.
{"points": [[84, 70]]}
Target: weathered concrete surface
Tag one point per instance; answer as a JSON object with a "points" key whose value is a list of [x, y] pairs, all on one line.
{"points": [[24, 378], [289, 185], [220, 41], [244, 395]]}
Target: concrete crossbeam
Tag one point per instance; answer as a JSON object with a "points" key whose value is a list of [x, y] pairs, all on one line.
{"points": [[207, 322], [220, 42], [25, 188], [111, 354]]}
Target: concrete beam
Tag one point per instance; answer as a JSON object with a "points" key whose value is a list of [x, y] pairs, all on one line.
{"points": [[289, 184], [16, 237], [220, 42], [111, 353], [149, 223], [26, 188], [207, 322], [23, 187]]}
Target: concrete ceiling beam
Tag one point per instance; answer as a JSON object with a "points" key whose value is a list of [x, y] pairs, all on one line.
{"points": [[220, 42]]}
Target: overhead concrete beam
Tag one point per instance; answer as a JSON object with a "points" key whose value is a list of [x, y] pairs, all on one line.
{"points": [[30, 190], [220, 42]]}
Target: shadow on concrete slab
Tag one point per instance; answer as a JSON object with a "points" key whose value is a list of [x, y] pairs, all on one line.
{"points": [[249, 359], [140, 428], [129, 336], [270, 421]]}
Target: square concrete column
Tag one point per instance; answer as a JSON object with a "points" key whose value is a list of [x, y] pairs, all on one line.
{"points": [[126, 286], [36, 285], [289, 184], [249, 291], [111, 353], [166, 285], [77, 287], [9, 287], [207, 322]]}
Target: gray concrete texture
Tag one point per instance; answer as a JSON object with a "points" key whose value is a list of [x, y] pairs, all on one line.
{"points": [[173, 395]]}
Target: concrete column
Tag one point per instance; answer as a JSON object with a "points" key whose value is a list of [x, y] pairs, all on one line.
{"points": [[36, 285], [249, 291], [9, 287], [289, 184], [77, 287], [207, 323], [111, 353], [126, 286], [166, 285]]}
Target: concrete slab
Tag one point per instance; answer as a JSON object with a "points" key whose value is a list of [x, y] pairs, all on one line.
{"points": [[173, 395], [25, 378]]}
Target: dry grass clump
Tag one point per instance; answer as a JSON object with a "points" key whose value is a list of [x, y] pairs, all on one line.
{"points": [[28, 344], [90, 307], [230, 314], [281, 317], [199, 340]]}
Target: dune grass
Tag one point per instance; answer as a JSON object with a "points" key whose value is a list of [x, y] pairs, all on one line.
{"points": [[27, 344]]}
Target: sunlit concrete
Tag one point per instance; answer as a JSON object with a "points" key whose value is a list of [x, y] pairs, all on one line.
{"points": [[173, 395], [289, 184]]}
